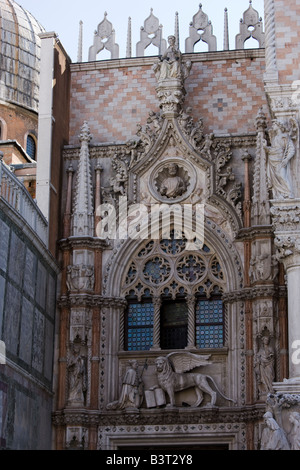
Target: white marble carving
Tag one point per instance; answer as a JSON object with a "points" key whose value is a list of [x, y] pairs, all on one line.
{"points": [[279, 156], [151, 33], [77, 375], [250, 27], [273, 436], [173, 377], [200, 30], [131, 394], [104, 38]]}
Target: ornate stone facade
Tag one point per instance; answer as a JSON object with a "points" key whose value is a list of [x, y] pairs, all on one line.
{"points": [[179, 249]]}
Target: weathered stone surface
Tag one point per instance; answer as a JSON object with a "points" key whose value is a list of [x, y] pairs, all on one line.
{"points": [[30, 273], [26, 331], [4, 241], [12, 318]]}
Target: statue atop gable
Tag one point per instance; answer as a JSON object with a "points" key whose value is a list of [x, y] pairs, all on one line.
{"points": [[171, 72], [170, 65]]}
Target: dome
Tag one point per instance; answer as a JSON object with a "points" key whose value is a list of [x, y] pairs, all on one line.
{"points": [[20, 55]]}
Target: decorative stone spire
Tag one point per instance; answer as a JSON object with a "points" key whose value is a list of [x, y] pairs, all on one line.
{"points": [[226, 31], [176, 34], [80, 37], [128, 46], [83, 224], [260, 202]]}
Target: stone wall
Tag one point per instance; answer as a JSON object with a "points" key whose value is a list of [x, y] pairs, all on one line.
{"points": [[218, 91], [27, 321], [287, 22]]}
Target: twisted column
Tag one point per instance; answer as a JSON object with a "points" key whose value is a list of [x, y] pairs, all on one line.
{"points": [[191, 301], [122, 329], [156, 323]]}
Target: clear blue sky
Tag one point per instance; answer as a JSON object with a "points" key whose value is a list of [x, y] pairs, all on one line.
{"points": [[63, 16]]}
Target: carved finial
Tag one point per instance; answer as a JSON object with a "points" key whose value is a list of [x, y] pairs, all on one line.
{"points": [[85, 135], [201, 30], [151, 33], [261, 120], [104, 39], [251, 19]]}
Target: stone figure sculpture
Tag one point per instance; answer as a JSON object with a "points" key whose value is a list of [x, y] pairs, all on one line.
{"points": [[294, 436], [170, 65], [76, 375], [172, 186], [273, 437], [171, 61], [172, 377], [280, 154], [264, 365], [131, 395]]}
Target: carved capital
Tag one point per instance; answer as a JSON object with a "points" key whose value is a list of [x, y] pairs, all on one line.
{"points": [[286, 223], [288, 249]]}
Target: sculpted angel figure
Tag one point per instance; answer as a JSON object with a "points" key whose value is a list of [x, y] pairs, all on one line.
{"points": [[280, 154]]}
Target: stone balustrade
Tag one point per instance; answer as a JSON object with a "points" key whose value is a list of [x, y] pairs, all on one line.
{"points": [[13, 193]]}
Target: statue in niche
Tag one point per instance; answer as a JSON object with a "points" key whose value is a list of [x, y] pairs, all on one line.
{"points": [[280, 155], [294, 436], [170, 65], [265, 365], [273, 436], [76, 375], [132, 390], [263, 267], [172, 186]]}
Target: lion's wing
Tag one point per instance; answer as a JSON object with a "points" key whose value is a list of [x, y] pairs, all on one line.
{"points": [[186, 361]]}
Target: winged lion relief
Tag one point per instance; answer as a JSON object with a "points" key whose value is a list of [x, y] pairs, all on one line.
{"points": [[173, 375]]}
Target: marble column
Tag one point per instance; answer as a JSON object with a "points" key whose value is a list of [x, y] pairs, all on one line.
{"points": [[286, 222]]}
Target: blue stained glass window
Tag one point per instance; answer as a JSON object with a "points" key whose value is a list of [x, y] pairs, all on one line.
{"points": [[209, 323], [139, 326]]}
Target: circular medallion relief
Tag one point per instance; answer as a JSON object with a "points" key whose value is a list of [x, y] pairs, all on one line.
{"points": [[172, 181]]}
